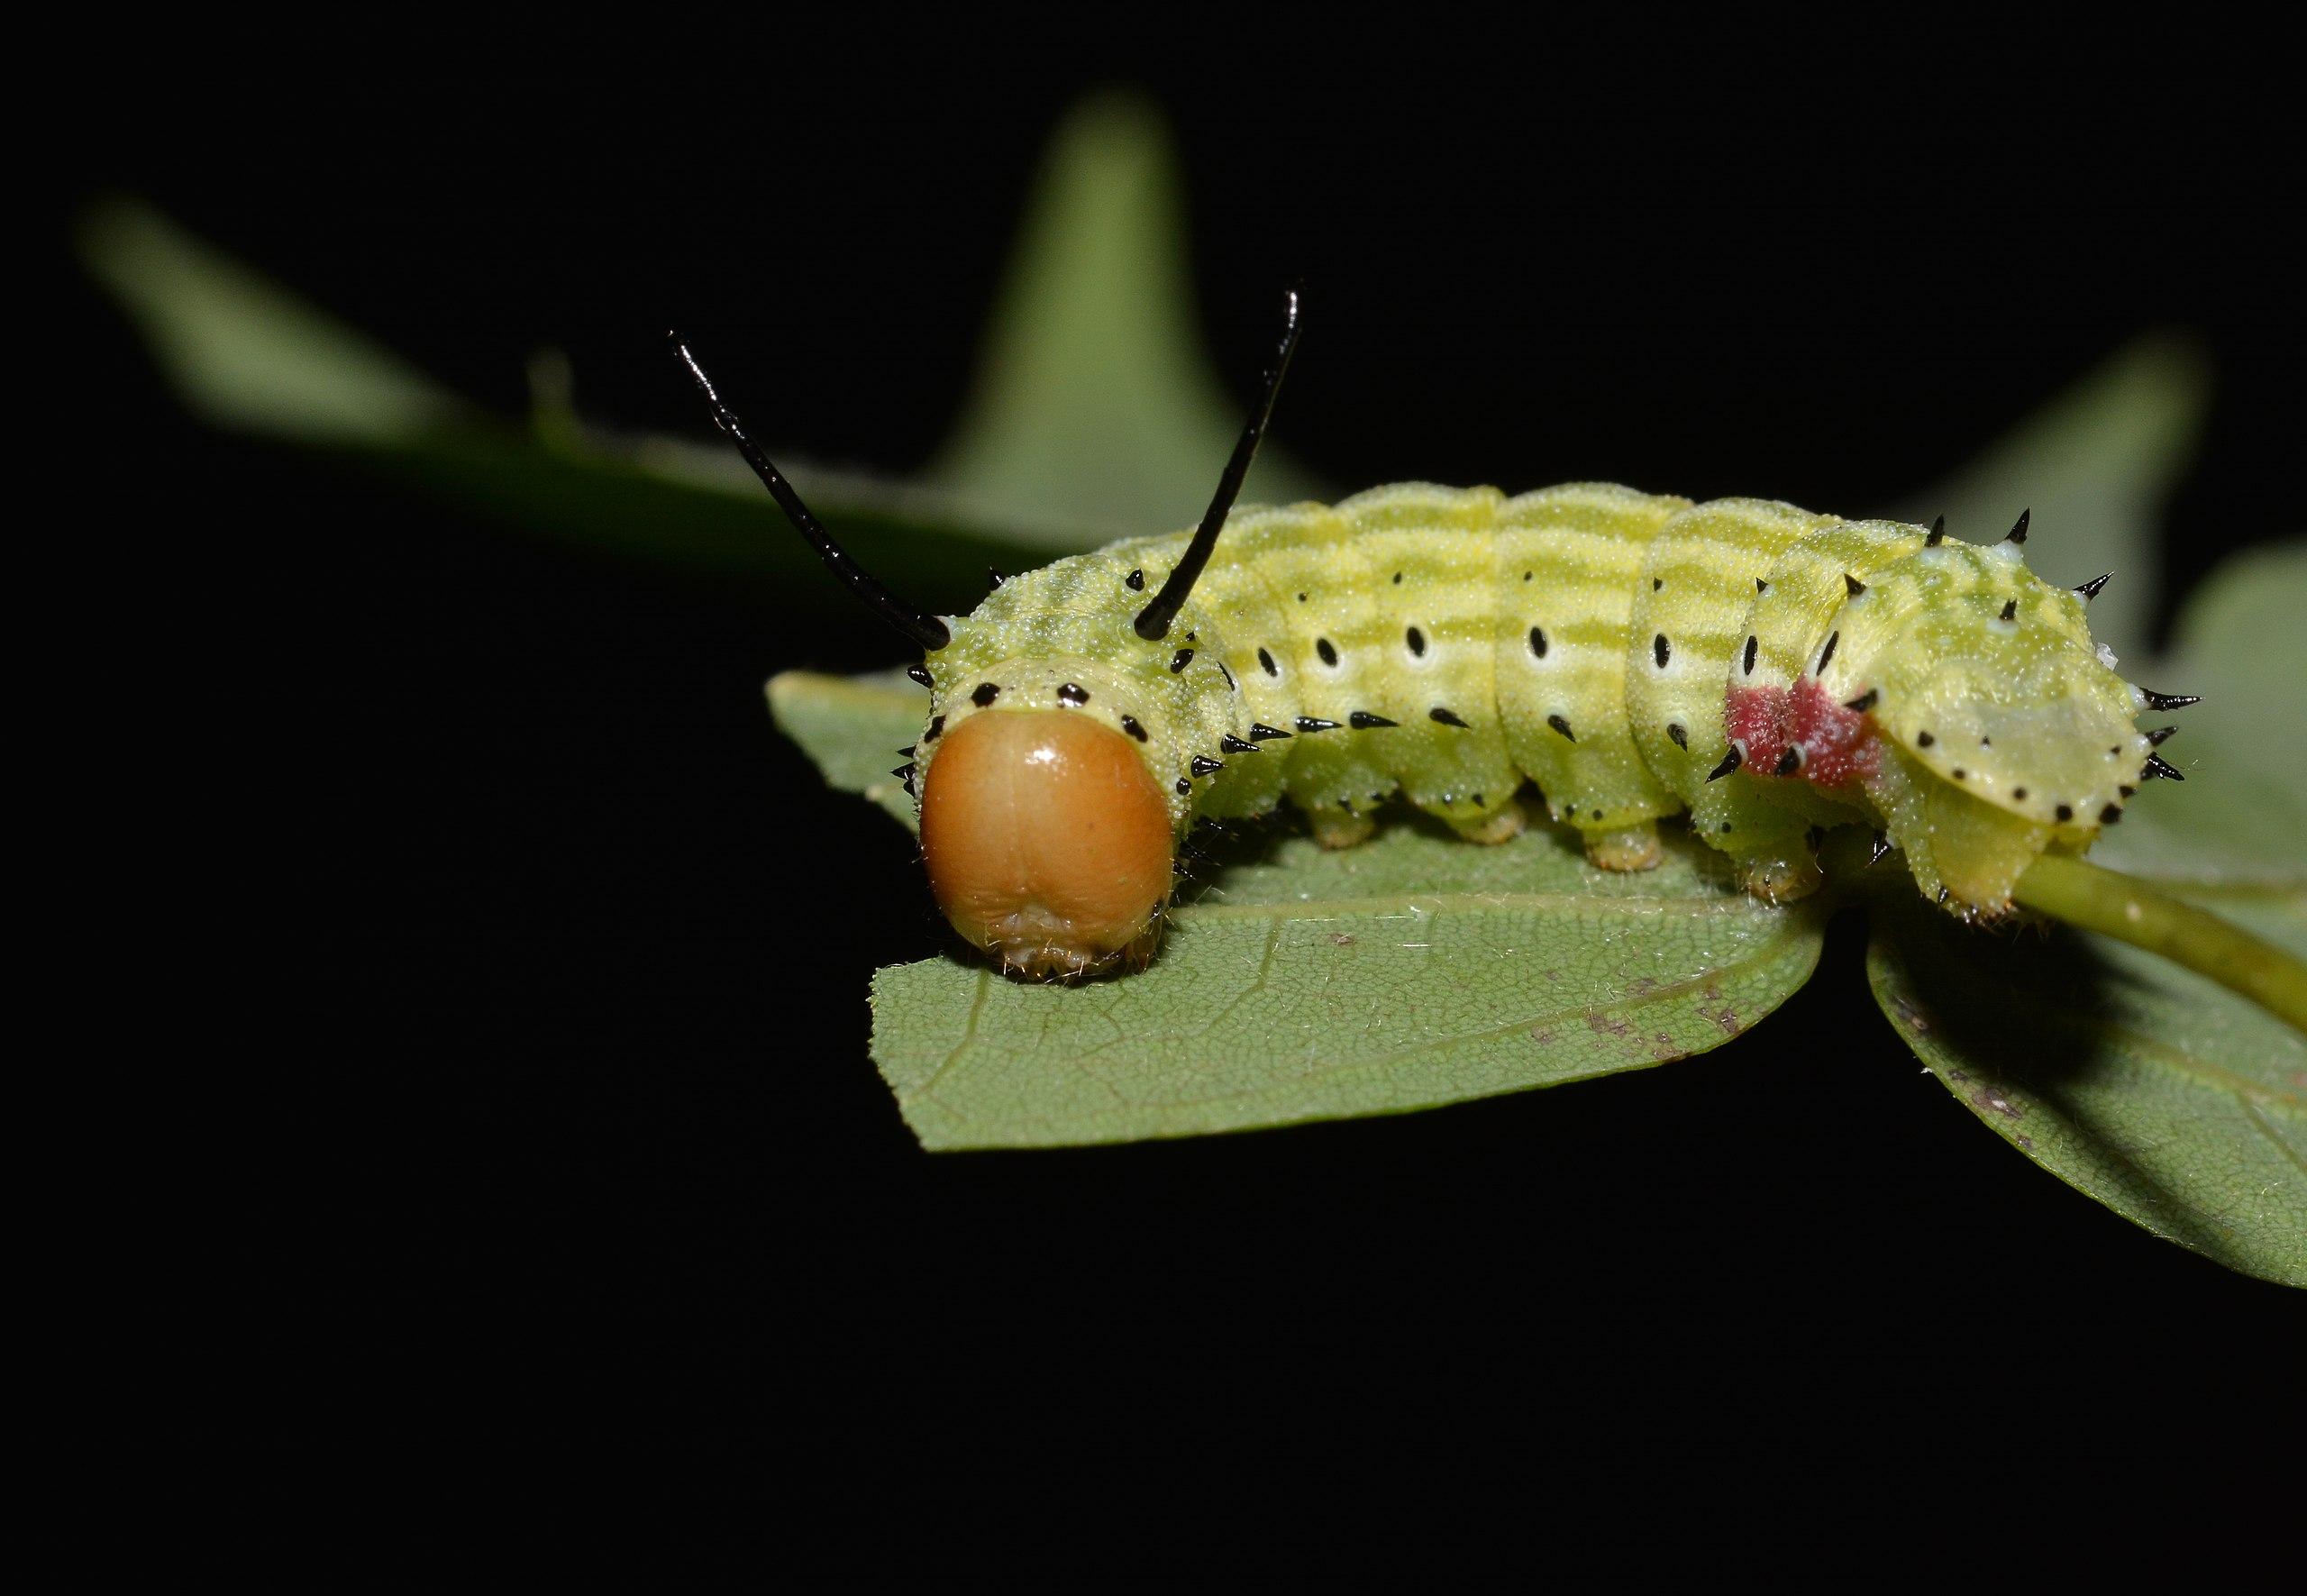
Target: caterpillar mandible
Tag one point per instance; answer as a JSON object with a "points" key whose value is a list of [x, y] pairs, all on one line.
{"points": [[1770, 671]]}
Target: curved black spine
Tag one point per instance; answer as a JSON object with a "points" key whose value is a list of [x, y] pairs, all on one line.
{"points": [[927, 631], [1154, 620]]}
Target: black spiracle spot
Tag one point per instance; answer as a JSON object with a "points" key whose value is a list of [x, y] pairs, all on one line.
{"points": [[1415, 638], [1073, 693], [1676, 736], [1129, 724], [1329, 654], [986, 694], [1538, 642], [1660, 651], [1752, 642], [1266, 663]]}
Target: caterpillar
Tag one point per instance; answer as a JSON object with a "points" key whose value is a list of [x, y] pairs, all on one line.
{"points": [[1767, 671]]}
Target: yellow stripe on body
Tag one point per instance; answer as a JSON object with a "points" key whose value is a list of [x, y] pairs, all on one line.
{"points": [[1807, 587], [1321, 581], [1234, 612], [1427, 553], [1565, 562]]}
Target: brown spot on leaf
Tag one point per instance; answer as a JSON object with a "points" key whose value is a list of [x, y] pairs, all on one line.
{"points": [[1995, 1102], [1341, 939], [1600, 1023]]}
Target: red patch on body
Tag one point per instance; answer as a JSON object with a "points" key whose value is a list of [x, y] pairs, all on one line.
{"points": [[1760, 720], [1838, 744]]}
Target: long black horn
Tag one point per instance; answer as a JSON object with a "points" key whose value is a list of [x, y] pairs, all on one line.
{"points": [[927, 631], [1154, 620]]}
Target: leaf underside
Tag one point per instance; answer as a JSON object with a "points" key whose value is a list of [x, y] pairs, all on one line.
{"points": [[2146, 1087]]}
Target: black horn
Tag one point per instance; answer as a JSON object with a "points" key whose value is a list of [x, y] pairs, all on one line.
{"points": [[1154, 620], [927, 631]]}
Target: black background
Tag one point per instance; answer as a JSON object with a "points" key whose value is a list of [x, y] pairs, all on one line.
{"points": [[565, 1142]]}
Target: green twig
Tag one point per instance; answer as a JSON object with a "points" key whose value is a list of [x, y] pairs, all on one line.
{"points": [[2129, 910]]}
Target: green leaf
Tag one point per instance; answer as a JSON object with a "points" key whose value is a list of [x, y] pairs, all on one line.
{"points": [[2241, 814], [851, 727], [2166, 1097], [2146, 1087], [1096, 413], [2096, 467], [244, 353], [1414, 970], [1302, 984], [241, 351]]}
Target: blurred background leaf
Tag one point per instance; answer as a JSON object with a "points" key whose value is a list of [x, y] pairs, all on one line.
{"points": [[1096, 414], [2096, 466], [245, 353], [2241, 814]]}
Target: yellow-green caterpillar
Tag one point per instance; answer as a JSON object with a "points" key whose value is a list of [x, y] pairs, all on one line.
{"points": [[1768, 670]]}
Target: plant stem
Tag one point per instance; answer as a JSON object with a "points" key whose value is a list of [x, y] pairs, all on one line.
{"points": [[2129, 910]]}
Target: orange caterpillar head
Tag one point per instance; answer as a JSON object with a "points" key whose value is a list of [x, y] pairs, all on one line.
{"points": [[1047, 839]]}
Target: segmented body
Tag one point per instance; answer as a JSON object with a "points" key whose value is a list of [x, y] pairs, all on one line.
{"points": [[1615, 648]]}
